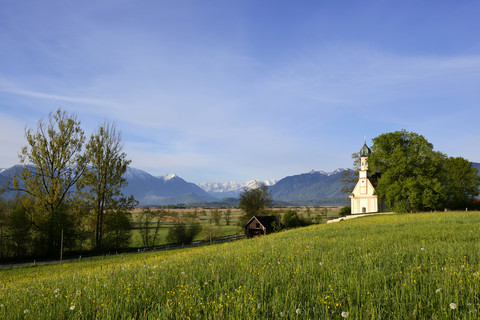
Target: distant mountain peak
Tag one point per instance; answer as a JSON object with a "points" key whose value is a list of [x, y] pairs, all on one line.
{"points": [[167, 177], [327, 173], [231, 188]]}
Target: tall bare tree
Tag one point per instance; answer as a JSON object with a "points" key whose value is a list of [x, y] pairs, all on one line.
{"points": [[103, 180]]}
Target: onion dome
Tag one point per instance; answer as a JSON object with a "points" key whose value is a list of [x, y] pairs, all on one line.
{"points": [[365, 151]]}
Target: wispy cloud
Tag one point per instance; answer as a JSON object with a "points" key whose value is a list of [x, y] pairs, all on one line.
{"points": [[48, 96]]}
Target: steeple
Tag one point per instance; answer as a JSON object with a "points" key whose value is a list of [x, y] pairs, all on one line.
{"points": [[365, 151]]}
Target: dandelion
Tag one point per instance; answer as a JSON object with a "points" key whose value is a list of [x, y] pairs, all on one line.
{"points": [[56, 290], [298, 311], [259, 305], [26, 311], [72, 307], [345, 314], [422, 249], [281, 314], [183, 273], [438, 290], [453, 306]]}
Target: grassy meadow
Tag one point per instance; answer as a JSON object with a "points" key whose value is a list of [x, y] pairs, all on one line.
{"points": [[411, 266]]}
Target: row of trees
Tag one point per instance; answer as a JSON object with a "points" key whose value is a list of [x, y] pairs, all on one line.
{"points": [[415, 177], [69, 188]]}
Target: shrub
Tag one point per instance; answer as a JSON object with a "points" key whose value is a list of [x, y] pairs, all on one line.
{"points": [[291, 219], [345, 211], [183, 233]]}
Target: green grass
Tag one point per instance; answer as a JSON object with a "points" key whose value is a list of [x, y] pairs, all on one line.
{"points": [[413, 266]]}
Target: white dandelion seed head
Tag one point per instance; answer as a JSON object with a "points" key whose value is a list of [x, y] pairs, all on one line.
{"points": [[56, 290], [298, 311], [438, 290], [72, 307], [453, 306], [422, 249], [2, 305], [345, 314], [26, 311], [183, 273], [281, 314]]}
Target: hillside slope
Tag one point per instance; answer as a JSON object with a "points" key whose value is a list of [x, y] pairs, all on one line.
{"points": [[391, 266]]}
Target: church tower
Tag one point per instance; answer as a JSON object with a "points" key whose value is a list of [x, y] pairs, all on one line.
{"points": [[363, 199]]}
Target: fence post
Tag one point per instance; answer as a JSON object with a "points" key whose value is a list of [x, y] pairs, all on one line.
{"points": [[61, 248]]}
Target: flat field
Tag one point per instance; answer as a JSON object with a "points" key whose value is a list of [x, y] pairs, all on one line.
{"points": [[410, 266], [212, 230]]}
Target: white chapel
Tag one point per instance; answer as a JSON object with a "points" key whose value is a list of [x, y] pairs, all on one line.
{"points": [[363, 199]]}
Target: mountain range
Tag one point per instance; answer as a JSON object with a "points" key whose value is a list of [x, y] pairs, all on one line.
{"points": [[312, 188], [231, 189]]}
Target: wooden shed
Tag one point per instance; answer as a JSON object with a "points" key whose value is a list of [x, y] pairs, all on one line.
{"points": [[260, 225]]}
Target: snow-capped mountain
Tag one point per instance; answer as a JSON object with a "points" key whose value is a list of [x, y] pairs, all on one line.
{"points": [[166, 189], [232, 188], [167, 177]]}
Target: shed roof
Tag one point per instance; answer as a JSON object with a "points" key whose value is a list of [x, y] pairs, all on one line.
{"points": [[266, 221]]}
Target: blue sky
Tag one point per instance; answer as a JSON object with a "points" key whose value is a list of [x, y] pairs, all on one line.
{"points": [[240, 90]]}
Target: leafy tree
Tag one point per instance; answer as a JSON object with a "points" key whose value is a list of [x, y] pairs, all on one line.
{"points": [[118, 229], [4, 229], [411, 171], [53, 163], [291, 219], [415, 177], [255, 202], [19, 225], [462, 183], [215, 216], [350, 176], [228, 216], [104, 179], [183, 233], [145, 219]]}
